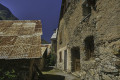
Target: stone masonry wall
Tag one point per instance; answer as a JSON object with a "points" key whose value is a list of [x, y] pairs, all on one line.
{"points": [[104, 25]]}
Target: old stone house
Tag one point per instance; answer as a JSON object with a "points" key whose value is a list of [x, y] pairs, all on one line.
{"points": [[88, 40], [54, 44], [48, 48], [45, 50], [20, 48]]}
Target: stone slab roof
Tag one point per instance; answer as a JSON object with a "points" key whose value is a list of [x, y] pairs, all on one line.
{"points": [[43, 49], [46, 46], [20, 39]]}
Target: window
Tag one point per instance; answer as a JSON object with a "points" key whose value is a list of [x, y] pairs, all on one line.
{"points": [[86, 9], [68, 3], [87, 6], [92, 3], [60, 57]]}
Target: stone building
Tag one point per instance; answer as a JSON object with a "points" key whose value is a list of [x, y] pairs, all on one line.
{"points": [[48, 48], [88, 40], [54, 42], [20, 49], [54, 45], [45, 50]]}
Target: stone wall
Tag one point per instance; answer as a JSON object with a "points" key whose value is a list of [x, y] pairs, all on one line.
{"points": [[65, 29], [104, 25]]}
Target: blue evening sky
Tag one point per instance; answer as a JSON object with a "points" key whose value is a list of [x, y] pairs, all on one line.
{"points": [[47, 11]]}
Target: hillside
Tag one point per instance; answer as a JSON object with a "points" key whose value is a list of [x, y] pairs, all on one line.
{"points": [[5, 13]]}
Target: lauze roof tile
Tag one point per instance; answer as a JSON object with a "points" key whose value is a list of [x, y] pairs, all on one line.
{"points": [[20, 39]]}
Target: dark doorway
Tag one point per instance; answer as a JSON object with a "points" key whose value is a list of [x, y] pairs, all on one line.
{"points": [[75, 57], [65, 60], [89, 47]]}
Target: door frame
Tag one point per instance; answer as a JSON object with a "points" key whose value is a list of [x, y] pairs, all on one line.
{"points": [[65, 60]]}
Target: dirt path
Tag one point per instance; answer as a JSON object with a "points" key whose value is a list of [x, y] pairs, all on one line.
{"points": [[55, 74]]}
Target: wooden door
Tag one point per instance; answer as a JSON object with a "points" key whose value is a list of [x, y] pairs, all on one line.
{"points": [[77, 65]]}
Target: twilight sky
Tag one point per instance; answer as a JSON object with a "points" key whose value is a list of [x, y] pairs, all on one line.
{"points": [[47, 11]]}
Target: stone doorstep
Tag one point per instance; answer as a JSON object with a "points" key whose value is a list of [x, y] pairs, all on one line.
{"points": [[76, 74]]}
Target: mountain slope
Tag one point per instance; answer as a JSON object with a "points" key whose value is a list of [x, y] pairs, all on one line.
{"points": [[5, 14]]}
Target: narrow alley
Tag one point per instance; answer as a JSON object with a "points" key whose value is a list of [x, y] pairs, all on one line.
{"points": [[55, 74], [60, 40]]}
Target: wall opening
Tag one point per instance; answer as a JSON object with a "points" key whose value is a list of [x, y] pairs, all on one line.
{"points": [[87, 7], [60, 57], [65, 60], [75, 57], [89, 47], [86, 10]]}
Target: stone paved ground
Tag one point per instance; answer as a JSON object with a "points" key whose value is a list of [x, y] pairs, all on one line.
{"points": [[55, 74]]}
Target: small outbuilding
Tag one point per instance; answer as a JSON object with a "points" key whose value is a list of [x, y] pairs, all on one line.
{"points": [[20, 49]]}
